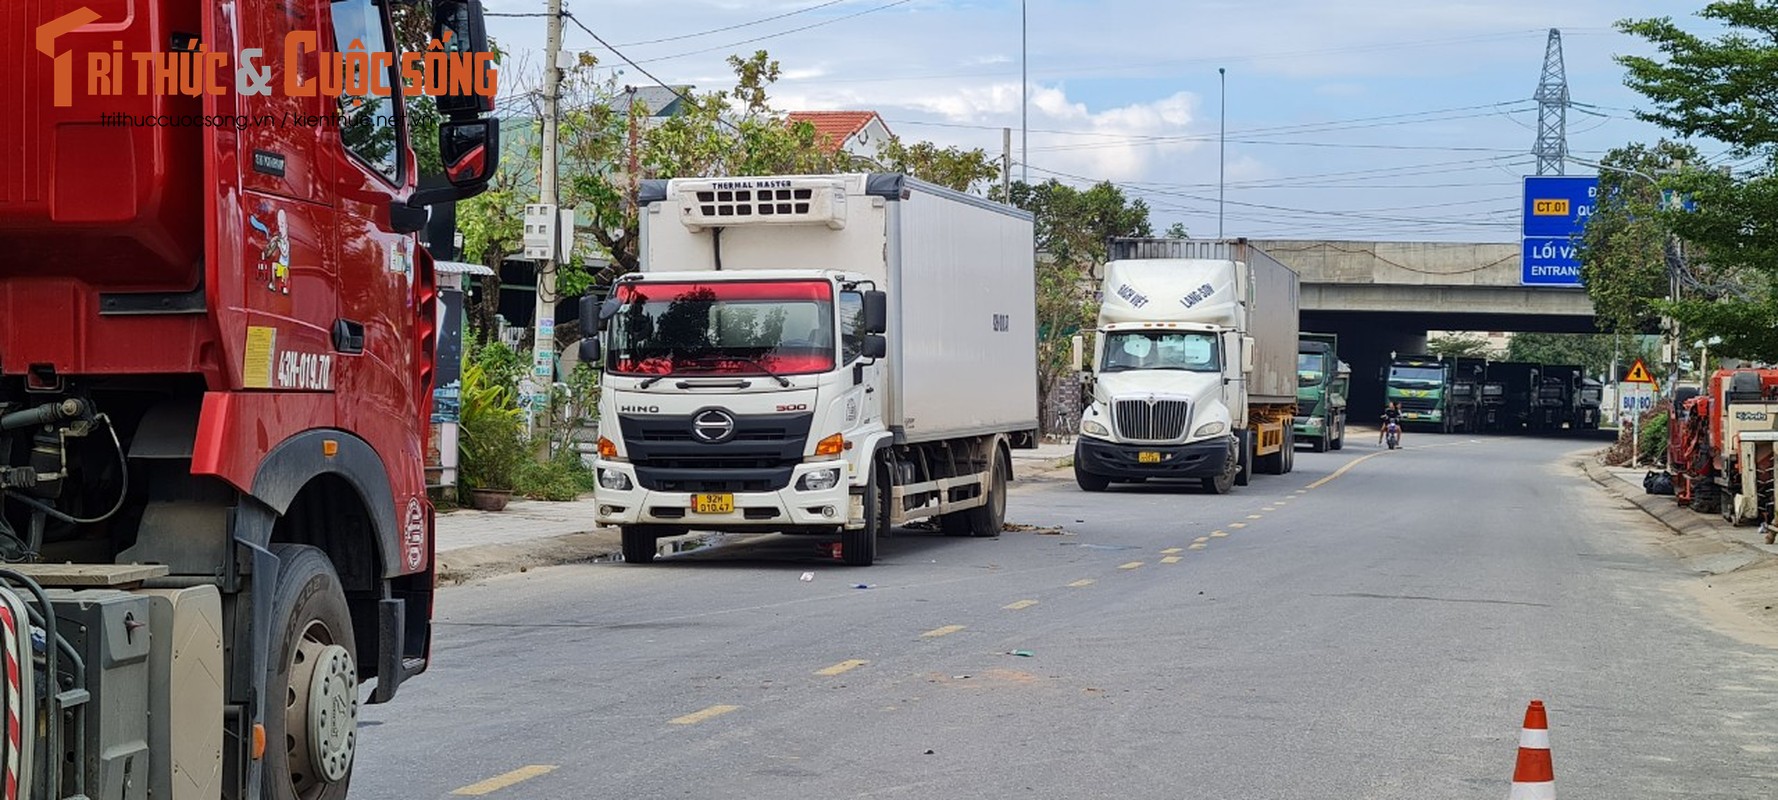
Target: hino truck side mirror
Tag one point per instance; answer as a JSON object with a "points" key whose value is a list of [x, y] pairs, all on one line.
{"points": [[1077, 358], [876, 313], [1247, 354], [460, 26], [589, 350], [874, 346]]}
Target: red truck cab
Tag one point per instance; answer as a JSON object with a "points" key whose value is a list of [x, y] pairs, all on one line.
{"points": [[218, 332]]}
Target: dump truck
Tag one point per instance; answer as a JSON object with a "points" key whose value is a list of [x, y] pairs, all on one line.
{"points": [[1465, 402], [1508, 390], [1194, 361], [826, 355], [1323, 381], [215, 381], [1421, 384], [1558, 397]]}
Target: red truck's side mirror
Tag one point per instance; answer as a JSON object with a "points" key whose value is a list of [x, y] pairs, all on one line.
{"points": [[470, 150], [460, 25]]}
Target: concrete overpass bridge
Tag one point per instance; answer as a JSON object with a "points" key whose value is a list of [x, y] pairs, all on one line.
{"points": [[1384, 296]]}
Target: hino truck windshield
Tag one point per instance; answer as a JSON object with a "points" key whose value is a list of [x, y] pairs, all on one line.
{"points": [[741, 327], [1193, 352]]}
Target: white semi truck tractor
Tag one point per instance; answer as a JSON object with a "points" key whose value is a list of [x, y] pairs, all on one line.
{"points": [[826, 354], [1194, 366]]}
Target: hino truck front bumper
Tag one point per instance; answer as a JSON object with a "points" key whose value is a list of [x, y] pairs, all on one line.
{"points": [[816, 496], [1113, 460]]}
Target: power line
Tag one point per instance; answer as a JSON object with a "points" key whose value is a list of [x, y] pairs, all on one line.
{"points": [[736, 26], [1305, 127], [627, 60], [778, 34]]}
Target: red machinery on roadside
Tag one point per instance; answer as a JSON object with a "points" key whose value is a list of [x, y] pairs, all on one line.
{"points": [[1721, 446]]}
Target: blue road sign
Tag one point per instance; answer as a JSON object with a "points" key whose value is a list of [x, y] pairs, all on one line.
{"points": [[1558, 205], [1549, 261]]}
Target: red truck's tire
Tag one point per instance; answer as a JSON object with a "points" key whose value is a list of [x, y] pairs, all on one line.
{"points": [[310, 622]]}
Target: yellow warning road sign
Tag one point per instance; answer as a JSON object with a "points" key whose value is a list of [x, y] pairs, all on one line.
{"points": [[1639, 373]]}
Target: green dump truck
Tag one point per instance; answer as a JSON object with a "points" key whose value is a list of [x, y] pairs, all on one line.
{"points": [[1322, 380]]}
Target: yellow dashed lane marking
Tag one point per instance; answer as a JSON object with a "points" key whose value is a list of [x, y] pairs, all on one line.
{"points": [[1342, 470], [1020, 606], [1131, 565], [1237, 525], [1201, 540], [1302, 491], [945, 631], [844, 666], [1170, 560], [1199, 546], [499, 782], [1170, 551], [1270, 508], [699, 716], [1082, 582], [1219, 534], [1255, 516]]}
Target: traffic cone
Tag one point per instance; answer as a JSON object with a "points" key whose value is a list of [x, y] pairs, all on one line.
{"points": [[1535, 776]]}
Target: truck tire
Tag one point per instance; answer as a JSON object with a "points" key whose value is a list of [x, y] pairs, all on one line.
{"points": [[1289, 453], [1320, 444], [639, 544], [858, 548], [1274, 464], [1339, 441], [986, 519], [1088, 482], [311, 688], [1245, 474]]}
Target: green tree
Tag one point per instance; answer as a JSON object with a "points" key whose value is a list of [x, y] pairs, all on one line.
{"points": [[963, 170], [1723, 89], [1593, 352], [1458, 345], [1072, 226], [1627, 251], [1177, 231]]}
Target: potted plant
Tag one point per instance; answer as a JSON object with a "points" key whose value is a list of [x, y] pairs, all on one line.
{"points": [[491, 441]]}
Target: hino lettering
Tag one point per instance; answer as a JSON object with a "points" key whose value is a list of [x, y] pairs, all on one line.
{"points": [[639, 409]]}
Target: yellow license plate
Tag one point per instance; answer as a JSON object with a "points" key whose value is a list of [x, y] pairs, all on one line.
{"points": [[712, 503], [1148, 457]]}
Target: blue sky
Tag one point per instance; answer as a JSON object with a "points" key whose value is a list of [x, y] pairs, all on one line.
{"points": [[1346, 119]]}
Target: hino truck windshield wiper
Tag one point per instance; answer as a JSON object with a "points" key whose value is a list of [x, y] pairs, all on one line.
{"points": [[782, 381]]}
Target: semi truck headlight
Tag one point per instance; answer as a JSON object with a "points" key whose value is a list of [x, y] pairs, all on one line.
{"points": [[818, 480], [614, 480], [1210, 429], [1093, 428]]}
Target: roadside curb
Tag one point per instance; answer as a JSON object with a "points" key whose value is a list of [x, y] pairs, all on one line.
{"points": [[1679, 519], [464, 564]]}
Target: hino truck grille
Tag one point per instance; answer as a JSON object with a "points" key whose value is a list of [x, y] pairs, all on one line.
{"points": [[1151, 420], [758, 456]]}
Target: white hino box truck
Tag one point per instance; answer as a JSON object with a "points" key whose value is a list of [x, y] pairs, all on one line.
{"points": [[821, 354], [1194, 368]]}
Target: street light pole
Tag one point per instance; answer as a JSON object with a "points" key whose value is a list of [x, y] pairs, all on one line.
{"points": [[1024, 98], [1222, 145]]}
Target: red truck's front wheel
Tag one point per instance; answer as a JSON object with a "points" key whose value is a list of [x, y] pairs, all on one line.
{"points": [[312, 687]]}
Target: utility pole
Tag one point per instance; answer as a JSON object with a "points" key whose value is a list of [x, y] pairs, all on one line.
{"points": [[635, 168], [1222, 146], [543, 346], [1024, 97], [1006, 165]]}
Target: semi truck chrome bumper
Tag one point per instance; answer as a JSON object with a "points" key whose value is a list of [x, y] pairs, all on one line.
{"points": [[1113, 460], [621, 500]]}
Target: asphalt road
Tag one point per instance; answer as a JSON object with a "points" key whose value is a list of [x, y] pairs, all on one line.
{"points": [[1370, 626]]}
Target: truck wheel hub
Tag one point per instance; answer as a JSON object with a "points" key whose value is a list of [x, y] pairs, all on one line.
{"points": [[323, 717]]}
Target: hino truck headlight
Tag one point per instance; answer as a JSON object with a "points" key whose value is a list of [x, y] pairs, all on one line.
{"points": [[1093, 428], [1209, 429], [614, 480], [819, 480]]}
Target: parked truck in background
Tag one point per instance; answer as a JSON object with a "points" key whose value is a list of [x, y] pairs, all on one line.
{"points": [[1465, 403], [828, 354], [215, 383], [1507, 394], [1193, 366], [1557, 398], [1422, 385], [1589, 404], [1322, 383]]}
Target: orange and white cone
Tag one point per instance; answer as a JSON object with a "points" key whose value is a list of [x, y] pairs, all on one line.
{"points": [[1535, 776]]}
